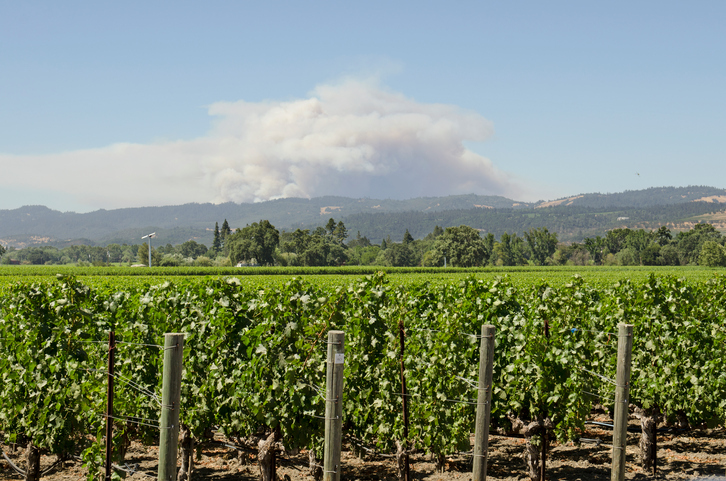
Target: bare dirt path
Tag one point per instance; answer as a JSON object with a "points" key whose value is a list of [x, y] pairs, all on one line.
{"points": [[682, 455]]}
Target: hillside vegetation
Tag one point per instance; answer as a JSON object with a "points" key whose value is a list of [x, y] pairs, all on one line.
{"points": [[572, 218]]}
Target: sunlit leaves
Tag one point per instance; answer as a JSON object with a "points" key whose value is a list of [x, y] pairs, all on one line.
{"points": [[255, 355]]}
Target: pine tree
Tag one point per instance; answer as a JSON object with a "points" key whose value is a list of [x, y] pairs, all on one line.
{"points": [[223, 233], [330, 227], [217, 243], [407, 237], [225, 230], [340, 233]]}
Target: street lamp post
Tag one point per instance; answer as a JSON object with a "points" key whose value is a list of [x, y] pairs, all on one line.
{"points": [[149, 236]]}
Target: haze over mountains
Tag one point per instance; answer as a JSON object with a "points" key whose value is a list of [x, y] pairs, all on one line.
{"points": [[573, 218]]}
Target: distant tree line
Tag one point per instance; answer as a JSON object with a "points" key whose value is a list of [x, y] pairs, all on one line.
{"points": [[262, 244], [701, 245], [187, 253]]}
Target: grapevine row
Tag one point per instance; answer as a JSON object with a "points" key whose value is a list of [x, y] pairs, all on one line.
{"points": [[255, 358]]}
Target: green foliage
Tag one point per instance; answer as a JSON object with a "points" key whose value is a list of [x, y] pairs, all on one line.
{"points": [[712, 254], [254, 242], [651, 248], [542, 244], [462, 246], [407, 237], [510, 250], [340, 233], [143, 255], [315, 252], [364, 256], [595, 248], [192, 249], [217, 241], [225, 230], [397, 255], [254, 355], [324, 247]]}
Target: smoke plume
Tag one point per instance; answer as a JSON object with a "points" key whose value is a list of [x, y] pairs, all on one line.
{"points": [[353, 138]]}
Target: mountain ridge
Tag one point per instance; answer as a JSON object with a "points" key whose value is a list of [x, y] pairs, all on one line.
{"points": [[374, 218]]}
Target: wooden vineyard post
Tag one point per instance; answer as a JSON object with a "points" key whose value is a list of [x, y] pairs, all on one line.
{"points": [[170, 405], [109, 403], [483, 403], [404, 402], [622, 392], [334, 406]]}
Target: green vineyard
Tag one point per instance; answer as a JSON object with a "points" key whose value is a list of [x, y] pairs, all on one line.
{"points": [[255, 359]]}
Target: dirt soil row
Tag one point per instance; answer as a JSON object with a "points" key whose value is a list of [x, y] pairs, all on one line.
{"points": [[693, 454]]}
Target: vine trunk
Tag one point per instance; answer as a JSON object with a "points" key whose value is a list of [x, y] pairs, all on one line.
{"points": [[32, 457]]}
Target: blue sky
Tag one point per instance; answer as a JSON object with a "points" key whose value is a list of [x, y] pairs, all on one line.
{"points": [[148, 103]]}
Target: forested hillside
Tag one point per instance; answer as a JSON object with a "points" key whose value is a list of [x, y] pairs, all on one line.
{"points": [[571, 218], [646, 197], [571, 223]]}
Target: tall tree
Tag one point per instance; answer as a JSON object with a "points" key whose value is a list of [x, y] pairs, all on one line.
{"points": [[217, 242], [690, 243], [542, 244], [639, 240], [299, 240], [143, 255], [193, 249], [462, 246], [712, 254], [330, 227], [489, 242], [225, 231], [663, 235], [510, 250], [615, 240], [340, 233], [399, 255], [337, 254], [316, 251], [594, 248], [114, 252], [254, 242], [407, 237]]}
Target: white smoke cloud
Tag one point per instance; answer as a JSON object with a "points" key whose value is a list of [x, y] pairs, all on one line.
{"points": [[354, 138]]}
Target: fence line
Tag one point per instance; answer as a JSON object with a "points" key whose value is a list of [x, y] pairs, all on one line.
{"points": [[611, 381], [599, 396], [128, 420], [139, 344], [128, 381]]}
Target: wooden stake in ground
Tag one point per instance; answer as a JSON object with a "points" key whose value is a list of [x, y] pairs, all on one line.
{"points": [[483, 403], [622, 393], [170, 405], [402, 452], [109, 403], [334, 406]]}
